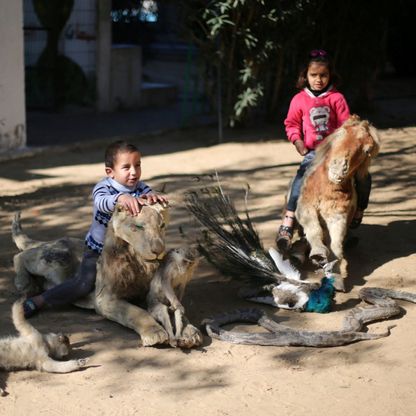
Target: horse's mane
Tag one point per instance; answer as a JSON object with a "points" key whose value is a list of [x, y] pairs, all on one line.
{"points": [[325, 147]]}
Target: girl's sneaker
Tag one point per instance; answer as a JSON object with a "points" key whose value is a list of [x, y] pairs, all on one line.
{"points": [[284, 238]]}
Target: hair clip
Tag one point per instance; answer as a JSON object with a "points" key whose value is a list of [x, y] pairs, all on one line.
{"points": [[318, 52]]}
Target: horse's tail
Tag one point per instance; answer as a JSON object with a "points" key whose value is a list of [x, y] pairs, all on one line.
{"points": [[21, 240]]}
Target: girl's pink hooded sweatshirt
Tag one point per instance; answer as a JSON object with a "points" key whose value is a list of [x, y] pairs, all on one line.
{"points": [[312, 118]]}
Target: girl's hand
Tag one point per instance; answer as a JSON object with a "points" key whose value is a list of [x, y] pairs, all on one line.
{"points": [[132, 204], [300, 147], [155, 198]]}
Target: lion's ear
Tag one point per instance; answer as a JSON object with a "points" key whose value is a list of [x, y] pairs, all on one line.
{"points": [[120, 208]]}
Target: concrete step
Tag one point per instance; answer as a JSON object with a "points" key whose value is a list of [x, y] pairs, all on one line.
{"points": [[157, 94]]}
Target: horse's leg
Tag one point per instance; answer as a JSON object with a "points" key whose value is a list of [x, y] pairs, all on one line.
{"points": [[314, 234], [337, 227]]}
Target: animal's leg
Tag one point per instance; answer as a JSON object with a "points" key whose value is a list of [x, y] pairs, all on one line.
{"points": [[314, 234], [23, 280], [191, 336], [337, 230], [178, 322], [168, 292], [131, 316], [189, 339], [160, 312], [337, 227], [180, 291], [52, 366]]}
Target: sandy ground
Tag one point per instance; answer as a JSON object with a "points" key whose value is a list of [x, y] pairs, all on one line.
{"points": [[371, 377]]}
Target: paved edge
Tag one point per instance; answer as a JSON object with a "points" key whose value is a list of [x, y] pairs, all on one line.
{"points": [[26, 152]]}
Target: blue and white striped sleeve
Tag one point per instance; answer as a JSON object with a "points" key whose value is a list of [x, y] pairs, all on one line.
{"points": [[103, 199], [143, 189]]}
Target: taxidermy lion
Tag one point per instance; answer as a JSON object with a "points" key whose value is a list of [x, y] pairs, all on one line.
{"points": [[31, 349], [134, 250]]}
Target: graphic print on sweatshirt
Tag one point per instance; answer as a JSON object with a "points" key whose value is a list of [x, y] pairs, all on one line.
{"points": [[319, 117]]}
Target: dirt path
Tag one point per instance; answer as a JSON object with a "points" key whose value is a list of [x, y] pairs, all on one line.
{"points": [[372, 378]]}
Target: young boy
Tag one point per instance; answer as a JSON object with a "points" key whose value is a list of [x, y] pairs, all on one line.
{"points": [[121, 186]]}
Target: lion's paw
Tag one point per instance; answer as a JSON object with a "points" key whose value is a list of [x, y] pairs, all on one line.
{"points": [[82, 362], [191, 337], [154, 336]]}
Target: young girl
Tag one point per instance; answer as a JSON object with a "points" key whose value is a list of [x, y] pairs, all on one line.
{"points": [[314, 113], [121, 186]]}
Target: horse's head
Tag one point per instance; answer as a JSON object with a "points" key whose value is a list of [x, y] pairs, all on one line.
{"points": [[351, 148]]}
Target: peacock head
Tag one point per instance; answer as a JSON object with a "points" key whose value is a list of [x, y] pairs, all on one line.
{"points": [[321, 299], [289, 296]]}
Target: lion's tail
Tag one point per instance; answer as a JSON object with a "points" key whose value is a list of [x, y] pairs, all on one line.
{"points": [[21, 240]]}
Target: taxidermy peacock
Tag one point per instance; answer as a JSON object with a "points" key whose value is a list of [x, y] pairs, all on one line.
{"points": [[233, 246]]}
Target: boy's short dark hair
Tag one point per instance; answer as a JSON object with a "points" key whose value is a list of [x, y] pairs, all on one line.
{"points": [[113, 149]]}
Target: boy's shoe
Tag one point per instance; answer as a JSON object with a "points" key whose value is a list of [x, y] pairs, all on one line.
{"points": [[30, 308]]}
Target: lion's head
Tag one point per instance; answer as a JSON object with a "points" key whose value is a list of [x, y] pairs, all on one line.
{"points": [[145, 233]]}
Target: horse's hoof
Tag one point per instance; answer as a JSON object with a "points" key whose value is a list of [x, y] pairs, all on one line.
{"points": [[339, 285], [283, 244]]}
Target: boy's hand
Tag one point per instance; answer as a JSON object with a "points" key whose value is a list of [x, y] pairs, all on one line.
{"points": [[132, 204], [155, 198], [300, 147]]}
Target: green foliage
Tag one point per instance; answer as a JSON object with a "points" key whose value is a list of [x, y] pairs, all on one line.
{"points": [[244, 40], [252, 51]]}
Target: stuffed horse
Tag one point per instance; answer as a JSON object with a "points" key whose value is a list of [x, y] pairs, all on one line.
{"points": [[328, 198]]}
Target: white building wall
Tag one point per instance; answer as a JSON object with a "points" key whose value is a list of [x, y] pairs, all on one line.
{"points": [[12, 81]]}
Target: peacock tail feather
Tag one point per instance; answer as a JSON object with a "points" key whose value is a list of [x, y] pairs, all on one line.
{"points": [[229, 242]]}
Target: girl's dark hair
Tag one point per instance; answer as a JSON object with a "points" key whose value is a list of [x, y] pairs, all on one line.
{"points": [[114, 149], [322, 57]]}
